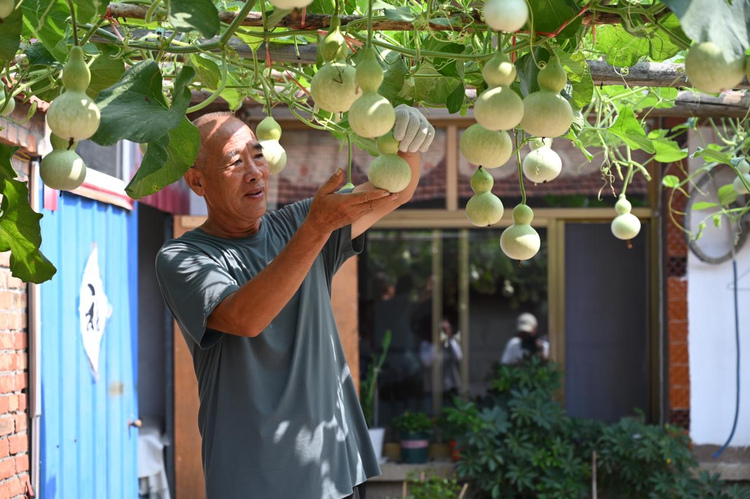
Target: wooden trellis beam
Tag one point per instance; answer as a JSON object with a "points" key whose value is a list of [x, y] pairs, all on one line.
{"points": [[319, 21]]}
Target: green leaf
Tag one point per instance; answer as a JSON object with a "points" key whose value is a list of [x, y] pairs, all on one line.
{"points": [[88, 10], [20, 232], [277, 15], [657, 98], [712, 155], [135, 108], [444, 88], [456, 99], [727, 195], [667, 151], [393, 79], [38, 55], [208, 71], [717, 220], [166, 161], [619, 47], [105, 71], [446, 66], [549, 15], [10, 36], [199, 15], [322, 7], [703, 205], [629, 129], [48, 25], [399, 14], [233, 94], [579, 76], [727, 24], [572, 137], [527, 69], [670, 181], [421, 83]]}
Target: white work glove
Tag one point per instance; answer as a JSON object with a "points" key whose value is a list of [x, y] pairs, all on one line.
{"points": [[412, 130]]}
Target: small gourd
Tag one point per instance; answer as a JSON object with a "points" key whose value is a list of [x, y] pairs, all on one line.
{"points": [[62, 169], [484, 208], [625, 225], [488, 148], [743, 170], [9, 107], [521, 241], [506, 15], [542, 164], [74, 115], [499, 107], [389, 171], [268, 133], [546, 112], [371, 115], [6, 8]]}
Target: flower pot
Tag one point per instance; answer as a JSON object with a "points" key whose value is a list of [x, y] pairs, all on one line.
{"points": [[415, 447], [376, 436], [455, 451]]}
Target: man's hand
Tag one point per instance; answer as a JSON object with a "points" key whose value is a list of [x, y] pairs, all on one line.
{"points": [[412, 129], [330, 211]]}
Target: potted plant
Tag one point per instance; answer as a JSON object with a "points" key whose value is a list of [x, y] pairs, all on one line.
{"points": [[368, 398], [415, 430], [451, 423]]}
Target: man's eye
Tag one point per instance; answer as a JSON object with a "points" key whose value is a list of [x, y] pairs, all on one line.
{"points": [[259, 157], [237, 161]]}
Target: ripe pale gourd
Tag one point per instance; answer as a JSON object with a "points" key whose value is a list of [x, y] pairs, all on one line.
{"points": [[333, 46], [739, 187], [708, 70], [743, 166], [268, 129], [542, 164], [9, 108], [290, 4], [484, 208], [6, 8], [73, 115], [506, 15], [536, 142], [488, 148], [334, 88], [371, 115], [499, 107], [63, 168], [625, 226], [546, 114], [552, 76], [520, 241], [389, 171]]}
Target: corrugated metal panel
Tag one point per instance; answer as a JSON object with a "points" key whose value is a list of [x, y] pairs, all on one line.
{"points": [[88, 448]]}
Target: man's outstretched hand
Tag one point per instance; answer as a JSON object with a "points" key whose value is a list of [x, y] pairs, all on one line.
{"points": [[330, 211]]}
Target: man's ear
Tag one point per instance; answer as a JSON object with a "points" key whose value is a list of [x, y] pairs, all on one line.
{"points": [[195, 180]]}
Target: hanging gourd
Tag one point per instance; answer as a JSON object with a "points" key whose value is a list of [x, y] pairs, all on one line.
{"points": [[371, 115], [484, 208], [389, 171], [542, 164], [334, 87], [709, 70], [62, 169], [521, 241], [6, 8], [506, 15], [546, 112], [268, 133], [74, 115], [499, 107], [8, 110], [743, 170], [625, 225], [487, 148]]}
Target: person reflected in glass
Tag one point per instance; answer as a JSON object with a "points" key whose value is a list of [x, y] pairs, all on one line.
{"points": [[526, 343]]}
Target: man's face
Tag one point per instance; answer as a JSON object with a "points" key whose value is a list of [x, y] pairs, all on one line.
{"points": [[234, 173]]}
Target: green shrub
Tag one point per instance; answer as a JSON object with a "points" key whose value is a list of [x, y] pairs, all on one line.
{"points": [[433, 487], [413, 422]]}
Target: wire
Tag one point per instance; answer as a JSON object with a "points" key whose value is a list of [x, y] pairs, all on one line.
{"points": [[737, 344]]}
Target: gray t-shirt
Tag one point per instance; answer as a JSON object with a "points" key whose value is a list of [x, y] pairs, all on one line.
{"points": [[279, 414]]}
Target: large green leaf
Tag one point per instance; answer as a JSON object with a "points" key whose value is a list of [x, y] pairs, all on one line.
{"points": [[322, 7], [135, 108], [527, 69], [207, 70], [20, 232], [38, 55], [549, 15], [712, 154], [166, 161], [725, 23], [579, 75], [10, 36], [105, 70], [199, 15], [88, 11], [629, 129], [667, 150], [393, 78], [48, 25], [619, 47], [421, 83]]}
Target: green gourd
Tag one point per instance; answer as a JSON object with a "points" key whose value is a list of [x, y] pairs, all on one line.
{"points": [[371, 115], [6, 8], [9, 107], [268, 129], [369, 72], [708, 69], [63, 168], [625, 225], [521, 241], [481, 181], [552, 76], [74, 115], [488, 148], [389, 171]]}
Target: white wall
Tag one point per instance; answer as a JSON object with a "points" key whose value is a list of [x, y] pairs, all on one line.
{"points": [[711, 337]]}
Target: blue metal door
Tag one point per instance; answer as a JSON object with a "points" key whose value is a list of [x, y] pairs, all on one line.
{"points": [[88, 447]]}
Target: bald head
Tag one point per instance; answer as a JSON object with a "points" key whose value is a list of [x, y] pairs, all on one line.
{"points": [[215, 129]]}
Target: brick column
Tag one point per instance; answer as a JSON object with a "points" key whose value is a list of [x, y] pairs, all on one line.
{"points": [[14, 436], [677, 310]]}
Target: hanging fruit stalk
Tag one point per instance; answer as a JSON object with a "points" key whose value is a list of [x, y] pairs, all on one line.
{"points": [[484, 208], [62, 169], [334, 87], [268, 133], [499, 107], [546, 112], [389, 171], [74, 115]]}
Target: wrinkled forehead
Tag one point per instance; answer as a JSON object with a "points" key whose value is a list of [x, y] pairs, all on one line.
{"points": [[227, 133]]}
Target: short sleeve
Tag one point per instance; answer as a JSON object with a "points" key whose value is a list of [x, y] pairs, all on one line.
{"points": [[341, 247], [193, 284]]}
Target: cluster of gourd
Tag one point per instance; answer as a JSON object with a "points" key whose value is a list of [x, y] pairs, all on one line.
{"points": [[543, 114], [71, 117]]}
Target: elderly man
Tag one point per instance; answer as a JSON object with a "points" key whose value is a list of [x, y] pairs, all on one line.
{"points": [[251, 289]]}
